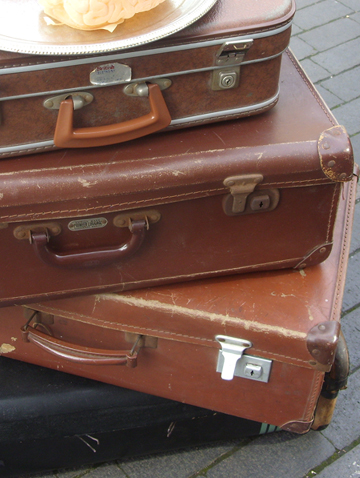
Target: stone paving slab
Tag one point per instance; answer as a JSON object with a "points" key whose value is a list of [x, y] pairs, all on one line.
{"points": [[352, 284], [331, 34], [281, 455], [339, 58], [181, 464], [347, 466], [348, 115], [344, 428], [350, 325], [319, 13], [345, 85]]}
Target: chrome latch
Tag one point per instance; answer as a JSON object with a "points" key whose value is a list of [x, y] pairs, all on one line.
{"points": [[232, 361], [232, 52], [231, 351], [240, 188], [79, 99]]}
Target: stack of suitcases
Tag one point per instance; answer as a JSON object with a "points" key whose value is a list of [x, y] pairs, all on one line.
{"points": [[177, 222]]}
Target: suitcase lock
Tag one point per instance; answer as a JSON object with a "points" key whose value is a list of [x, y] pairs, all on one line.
{"points": [[229, 57], [244, 199], [232, 362]]}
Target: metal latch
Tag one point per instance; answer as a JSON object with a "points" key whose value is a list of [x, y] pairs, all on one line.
{"points": [[240, 188], [232, 362], [232, 52], [229, 57]]}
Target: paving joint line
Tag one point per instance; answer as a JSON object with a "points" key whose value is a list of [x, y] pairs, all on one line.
{"points": [[332, 459]]}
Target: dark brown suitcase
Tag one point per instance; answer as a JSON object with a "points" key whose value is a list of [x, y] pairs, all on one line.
{"points": [[255, 346], [226, 65], [252, 194]]}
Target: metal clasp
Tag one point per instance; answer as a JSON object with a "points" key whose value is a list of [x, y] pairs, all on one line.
{"points": [[232, 52], [231, 351], [232, 361], [240, 188]]}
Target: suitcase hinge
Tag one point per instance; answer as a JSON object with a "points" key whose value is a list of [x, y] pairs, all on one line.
{"points": [[240, 188], [232, 362]]}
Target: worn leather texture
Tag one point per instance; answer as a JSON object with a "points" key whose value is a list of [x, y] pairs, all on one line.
{"points": [[178, 176], [27, 81], [277, 312]]}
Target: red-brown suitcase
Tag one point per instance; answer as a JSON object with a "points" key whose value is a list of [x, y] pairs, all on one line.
{"points": [[252, 194], [225, 65], [255, 346]]}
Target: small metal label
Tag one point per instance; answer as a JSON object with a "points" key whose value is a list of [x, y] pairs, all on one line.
{"points": [[82, 224], [110, 74]]}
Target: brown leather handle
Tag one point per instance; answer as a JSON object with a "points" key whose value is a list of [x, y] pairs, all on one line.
{"points": [[96, 257], [66, 136], [78, 353]]}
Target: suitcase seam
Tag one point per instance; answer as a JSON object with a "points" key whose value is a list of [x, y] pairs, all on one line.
{"points": [[309, 413], [199, 194], [332, 207], [58, 312], [224, 117], [344, 253], [310, 87]]}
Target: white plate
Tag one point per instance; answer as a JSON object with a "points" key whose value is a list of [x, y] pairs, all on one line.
{"points": [[24, 30]]}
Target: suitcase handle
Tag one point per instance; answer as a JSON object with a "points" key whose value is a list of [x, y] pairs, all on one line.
{"points": [[78, 353], [66, 136], [96, 257]]}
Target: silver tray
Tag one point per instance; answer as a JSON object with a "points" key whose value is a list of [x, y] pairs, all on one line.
{"points": [[24, 30]]}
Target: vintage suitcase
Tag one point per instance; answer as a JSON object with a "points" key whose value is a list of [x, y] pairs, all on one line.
{"points": [[53, 420], [255, 346], [250, 194], [191, 77]]}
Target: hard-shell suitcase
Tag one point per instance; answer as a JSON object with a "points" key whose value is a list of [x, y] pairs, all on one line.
{"points": [[225, 65], [53, 420], [255, 346], [252, 194]]}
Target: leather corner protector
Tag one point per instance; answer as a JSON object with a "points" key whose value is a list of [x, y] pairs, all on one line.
{"points": [[297, 427], [336, 154], [322, 341], [316, 256]]}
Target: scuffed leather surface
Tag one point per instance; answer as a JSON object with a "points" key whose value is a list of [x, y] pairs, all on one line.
{"points": [[274, 310], [180, 174]]}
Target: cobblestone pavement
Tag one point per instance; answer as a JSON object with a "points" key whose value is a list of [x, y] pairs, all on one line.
{"points": [[326, 39]]}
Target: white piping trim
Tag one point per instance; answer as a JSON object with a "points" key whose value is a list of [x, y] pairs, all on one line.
{"points": [[119, 56], [218, 114], [137, 80], [188, 119]]}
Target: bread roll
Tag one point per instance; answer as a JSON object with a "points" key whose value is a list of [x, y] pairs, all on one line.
{"points": [[95, 14]]}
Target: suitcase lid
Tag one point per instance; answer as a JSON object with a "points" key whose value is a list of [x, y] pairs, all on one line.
{"points": [[225, 19], [184, 164], [287, 316], [233, 33]]}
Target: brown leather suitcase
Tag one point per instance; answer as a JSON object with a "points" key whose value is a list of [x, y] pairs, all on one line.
{"points": [[252, 194], [225, 65], [256, 346]]}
